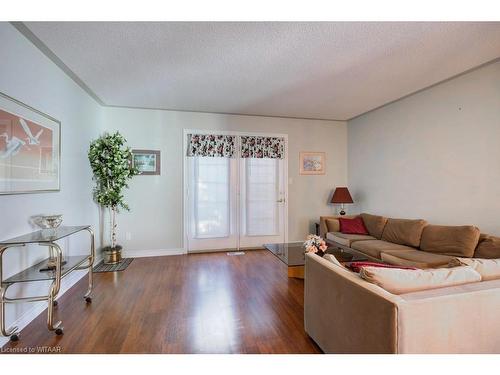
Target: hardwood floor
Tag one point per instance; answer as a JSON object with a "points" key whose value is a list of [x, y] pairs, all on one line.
{"points": [[202, 303]]}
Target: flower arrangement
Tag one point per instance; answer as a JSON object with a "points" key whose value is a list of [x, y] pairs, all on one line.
{"points": [[315, 244]]}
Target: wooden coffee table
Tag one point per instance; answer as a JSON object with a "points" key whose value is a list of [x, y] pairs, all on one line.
{"points": [[293, 255]]}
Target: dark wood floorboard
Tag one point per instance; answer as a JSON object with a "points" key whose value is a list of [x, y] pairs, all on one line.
{"points": [[201, 303]]}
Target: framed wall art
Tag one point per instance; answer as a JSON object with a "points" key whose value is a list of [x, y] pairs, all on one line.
{"points": [[147, 161], [30, 149], [312, 163]]}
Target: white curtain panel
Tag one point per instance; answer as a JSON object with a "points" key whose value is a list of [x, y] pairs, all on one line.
{"points": [[211, 189]]}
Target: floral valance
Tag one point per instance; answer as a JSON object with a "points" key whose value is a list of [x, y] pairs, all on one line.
{"points": [[211, 145], [262, 147]]}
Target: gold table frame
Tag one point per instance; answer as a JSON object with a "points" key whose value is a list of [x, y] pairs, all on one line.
{"points": [[56, 277]]}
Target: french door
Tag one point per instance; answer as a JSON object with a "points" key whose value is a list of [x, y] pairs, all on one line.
{"points": [[234, 202], [212, 203], [262, 201]]}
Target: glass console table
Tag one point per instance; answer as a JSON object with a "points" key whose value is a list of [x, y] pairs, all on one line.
{"points": [[51, 269]]}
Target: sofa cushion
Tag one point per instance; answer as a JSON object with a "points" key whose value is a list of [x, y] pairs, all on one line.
{"points": [[374, 224], [488, 247], [352, 226], [347, 239], [450, 240], [333, 225], [415, 258], [398, 281], [373, 248], [489, 269], [404, 231]]}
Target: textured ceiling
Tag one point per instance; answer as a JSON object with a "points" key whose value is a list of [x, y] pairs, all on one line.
{"points": [[326, 70]]}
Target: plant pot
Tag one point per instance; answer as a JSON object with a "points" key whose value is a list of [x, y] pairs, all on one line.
{"points": [[112, 255]]}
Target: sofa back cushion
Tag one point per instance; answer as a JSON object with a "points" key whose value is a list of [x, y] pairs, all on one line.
{"points": [[398, 281], [450, 240], [404, 231], [488, 247], [374, 224]]}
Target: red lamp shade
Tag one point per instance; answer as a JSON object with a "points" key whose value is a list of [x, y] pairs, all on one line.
{"points": [[342, 195]]}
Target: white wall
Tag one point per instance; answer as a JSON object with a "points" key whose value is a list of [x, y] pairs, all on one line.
{"points": [[29, 76], [155, 222], [433, 155], [156, 219]]}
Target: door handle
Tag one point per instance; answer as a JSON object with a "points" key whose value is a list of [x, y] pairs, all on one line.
{"points": [[280, 201]]}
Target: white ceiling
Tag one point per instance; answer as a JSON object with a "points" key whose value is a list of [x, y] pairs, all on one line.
{"points": [[325, 70]]}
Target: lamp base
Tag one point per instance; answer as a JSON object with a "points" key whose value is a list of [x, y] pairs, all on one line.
{"points": [[342, 212]]}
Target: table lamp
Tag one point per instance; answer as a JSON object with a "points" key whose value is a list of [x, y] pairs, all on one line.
{"points": [[341, 196]]}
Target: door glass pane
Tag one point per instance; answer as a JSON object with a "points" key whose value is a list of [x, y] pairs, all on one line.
{"points": [[211, 197], [261, 197]]}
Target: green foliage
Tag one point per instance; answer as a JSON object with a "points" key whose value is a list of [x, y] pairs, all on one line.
{"points": [[111, 163]]}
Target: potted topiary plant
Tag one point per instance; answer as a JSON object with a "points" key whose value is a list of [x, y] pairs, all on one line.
{"points": [[111, 163]]}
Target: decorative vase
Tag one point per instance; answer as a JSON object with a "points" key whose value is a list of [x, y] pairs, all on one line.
{"points": [[112, 255]]}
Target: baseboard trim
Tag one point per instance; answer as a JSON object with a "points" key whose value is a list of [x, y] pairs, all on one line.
{"points": [[230, 250], [152, 253]]}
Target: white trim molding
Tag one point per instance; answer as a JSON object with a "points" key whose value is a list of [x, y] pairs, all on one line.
{"points": [[152, 253]]}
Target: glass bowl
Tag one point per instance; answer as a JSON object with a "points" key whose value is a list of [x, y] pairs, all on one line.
{"points": [[49, 221]]}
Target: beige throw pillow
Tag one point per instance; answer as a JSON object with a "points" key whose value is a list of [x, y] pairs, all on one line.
{"points": [[333, 225], [489, 269], [398, 281], [332, 259]]}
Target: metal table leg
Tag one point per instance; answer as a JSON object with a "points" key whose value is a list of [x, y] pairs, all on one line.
{"points": [[13, 332], [54, 290], [88, 294]]}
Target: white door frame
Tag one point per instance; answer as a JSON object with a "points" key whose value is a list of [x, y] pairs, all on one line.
{"points": [[185, 205]]}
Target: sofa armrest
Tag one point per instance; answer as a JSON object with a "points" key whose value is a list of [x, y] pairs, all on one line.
{"points": [[345, 314]]}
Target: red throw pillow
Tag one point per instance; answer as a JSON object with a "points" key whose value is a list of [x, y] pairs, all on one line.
{"points": [[356, 266], [352, 226]]}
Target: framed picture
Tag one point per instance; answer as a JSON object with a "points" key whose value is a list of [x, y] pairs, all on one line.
{"points": [[312, 163], [30, 149], [147, 161]]}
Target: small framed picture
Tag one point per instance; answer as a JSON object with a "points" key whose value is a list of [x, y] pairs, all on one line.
{"points": [[147, 161], [312, 163]]}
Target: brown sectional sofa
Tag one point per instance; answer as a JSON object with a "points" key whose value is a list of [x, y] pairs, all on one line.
{"points": [[344, 313], [408, 242]]}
